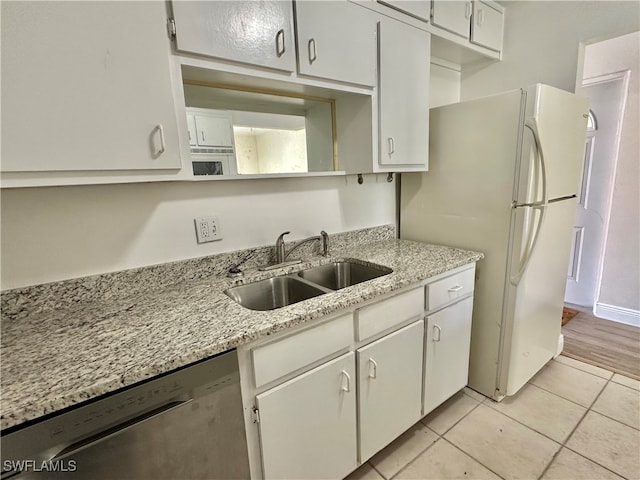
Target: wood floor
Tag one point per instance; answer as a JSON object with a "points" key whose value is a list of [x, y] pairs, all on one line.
{"points": [[612, 345]]}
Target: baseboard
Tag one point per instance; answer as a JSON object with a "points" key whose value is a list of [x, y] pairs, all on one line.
{"points": [[617, 314], [560, 345]]}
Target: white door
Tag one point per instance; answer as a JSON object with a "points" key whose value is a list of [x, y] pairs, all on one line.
{"points": [[594, 197], [87, 86], [447, 353], [403, 94], [258, 33], [308, 424], [390, 387], [453, 15], [337, 41]]}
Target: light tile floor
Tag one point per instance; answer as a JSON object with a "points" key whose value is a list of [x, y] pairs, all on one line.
{"points": [[571, 421]]}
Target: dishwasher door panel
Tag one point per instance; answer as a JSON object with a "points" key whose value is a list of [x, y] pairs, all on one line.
{"points": [[198, 433]]}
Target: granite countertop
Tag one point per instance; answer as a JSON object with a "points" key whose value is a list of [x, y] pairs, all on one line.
{"points": [[57, 358]]}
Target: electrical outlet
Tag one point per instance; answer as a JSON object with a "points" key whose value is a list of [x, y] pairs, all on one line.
{"points": [[207, 229]]}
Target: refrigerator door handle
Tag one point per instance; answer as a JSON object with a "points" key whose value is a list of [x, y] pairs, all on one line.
{"points": [[531, 244], [532, 125]]}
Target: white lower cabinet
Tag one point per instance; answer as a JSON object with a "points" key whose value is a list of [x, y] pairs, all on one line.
{"points": [[308, 424], [321, 400], [389, 387], [447, 352]]}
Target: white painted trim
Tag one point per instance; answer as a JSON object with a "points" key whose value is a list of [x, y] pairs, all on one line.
{"points": [[617, 314], [560, 346], [624, 77]]}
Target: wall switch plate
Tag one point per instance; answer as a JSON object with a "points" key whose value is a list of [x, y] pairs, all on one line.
{"points": [[207, 229]]}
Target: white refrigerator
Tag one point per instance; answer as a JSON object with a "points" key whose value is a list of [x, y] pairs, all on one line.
{"points": [[503, 179]]}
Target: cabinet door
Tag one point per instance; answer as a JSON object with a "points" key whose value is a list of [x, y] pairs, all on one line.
{"points": [[214, 131], [487, 25], [447, 352], [416, 8], [308, 424], [403, 94], [336, 40], [89, 94], [390, 387], [258, 33], [191, 127], [453, 15]]}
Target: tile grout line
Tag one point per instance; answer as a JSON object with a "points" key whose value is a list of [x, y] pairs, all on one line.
{"points": [[563, 445], [472, 457], [437, 434]]}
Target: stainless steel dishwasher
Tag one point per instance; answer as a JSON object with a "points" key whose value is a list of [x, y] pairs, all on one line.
{"points": [[187, 424]]}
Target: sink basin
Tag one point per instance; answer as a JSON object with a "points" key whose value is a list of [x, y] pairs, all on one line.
{"points": [[343, 274], [273, 293]]}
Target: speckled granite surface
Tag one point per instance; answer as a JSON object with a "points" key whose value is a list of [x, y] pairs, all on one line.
{"points": [[55, 358]]}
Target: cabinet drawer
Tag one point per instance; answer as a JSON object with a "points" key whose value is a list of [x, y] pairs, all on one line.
{"points": [[276, 359], [450, 288], [380, 316]]}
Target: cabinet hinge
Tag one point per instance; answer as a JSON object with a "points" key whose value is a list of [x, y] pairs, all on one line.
{"points": [[256, 415], [171, 28]]}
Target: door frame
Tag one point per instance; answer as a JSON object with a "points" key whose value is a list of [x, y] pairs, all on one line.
{"points": [[623, 76]]}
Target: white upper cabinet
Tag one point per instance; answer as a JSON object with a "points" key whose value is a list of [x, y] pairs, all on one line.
{"points": [[86, 86], [257, 33], [454, 16], [403, 95], [487, 25], [416, 8], [336, 41]]}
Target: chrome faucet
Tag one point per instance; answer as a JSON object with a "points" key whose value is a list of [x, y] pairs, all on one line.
{"points": [[282, 254]]}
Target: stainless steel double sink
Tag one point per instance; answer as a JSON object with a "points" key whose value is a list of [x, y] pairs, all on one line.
{"points": [[288, 289]]}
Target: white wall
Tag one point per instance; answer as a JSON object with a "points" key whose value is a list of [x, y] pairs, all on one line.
{"points": [[541, 43], [57, 233], [445, 83], [620, 285]]}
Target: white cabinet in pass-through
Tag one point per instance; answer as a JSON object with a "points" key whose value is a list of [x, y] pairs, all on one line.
{"points": [[256, 33], [210, 129]]}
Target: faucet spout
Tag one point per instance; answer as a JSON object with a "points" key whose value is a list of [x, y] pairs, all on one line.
{"points": [[280, 248], [325, 243], [280, 251]]}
